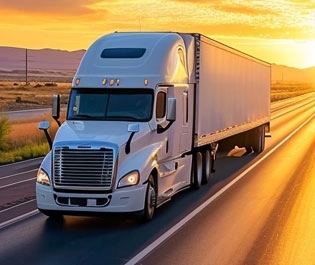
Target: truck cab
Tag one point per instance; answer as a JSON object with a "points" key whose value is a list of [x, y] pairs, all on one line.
{"points": [[128, 127]]}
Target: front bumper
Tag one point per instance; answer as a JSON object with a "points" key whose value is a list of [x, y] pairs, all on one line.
{"points": [[129, 199]]}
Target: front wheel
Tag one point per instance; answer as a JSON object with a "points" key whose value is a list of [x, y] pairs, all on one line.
{"points": [[150, 200]]}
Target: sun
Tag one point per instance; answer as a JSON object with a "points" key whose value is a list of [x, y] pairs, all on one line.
{"points": [[308, 53], [298, 53]]}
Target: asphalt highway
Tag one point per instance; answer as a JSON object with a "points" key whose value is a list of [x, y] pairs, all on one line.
{"points": [[257, 209]]}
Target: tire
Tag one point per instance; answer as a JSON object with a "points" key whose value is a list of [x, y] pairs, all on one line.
{"points": [[254, 140], [150, 200], [206, 166], [197, 170], [259, 139], [262, 139]]}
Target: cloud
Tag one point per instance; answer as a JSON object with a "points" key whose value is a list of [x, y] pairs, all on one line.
{"points": [[69, 7], [241, 8], [281, 19]]}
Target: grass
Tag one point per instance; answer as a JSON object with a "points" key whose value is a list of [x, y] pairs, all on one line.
{"points": [[283, 90], [18, 96], [23, 140]]}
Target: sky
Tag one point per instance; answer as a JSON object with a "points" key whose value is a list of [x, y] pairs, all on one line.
{"points": [[276, 31]]}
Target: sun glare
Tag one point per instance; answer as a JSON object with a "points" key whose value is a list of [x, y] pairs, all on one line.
{"points": [[302, 53], [309, 51]]}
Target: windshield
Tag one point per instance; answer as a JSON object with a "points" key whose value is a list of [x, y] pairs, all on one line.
{"points": [[110, 104]]}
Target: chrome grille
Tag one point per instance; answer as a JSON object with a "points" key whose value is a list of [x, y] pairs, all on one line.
{"points": [[83, 169]]}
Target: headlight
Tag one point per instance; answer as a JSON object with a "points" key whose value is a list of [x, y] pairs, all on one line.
{"points": [[42, 177], [130, 179]]}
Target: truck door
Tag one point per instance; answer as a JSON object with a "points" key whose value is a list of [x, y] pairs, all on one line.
{"points": [[178, 133]]}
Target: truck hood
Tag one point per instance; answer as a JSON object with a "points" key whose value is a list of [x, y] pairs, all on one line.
{"points": [[97, 131]]}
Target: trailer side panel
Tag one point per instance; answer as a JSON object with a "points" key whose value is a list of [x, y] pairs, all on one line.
{"points": [[232, 93]]}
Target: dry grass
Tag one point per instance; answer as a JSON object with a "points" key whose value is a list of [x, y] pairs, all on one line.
{"points": [[283, 90], [18, 96], [24, 139]]}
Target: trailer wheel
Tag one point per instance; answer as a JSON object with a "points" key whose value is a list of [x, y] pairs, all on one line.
{"points": [[206, 166], [262, 139], [259, 138], [150, 200], [197, 170]]}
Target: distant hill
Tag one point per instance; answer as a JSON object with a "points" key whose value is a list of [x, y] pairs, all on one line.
{"points": [[42, 65], [281, 73], [60, 65]]}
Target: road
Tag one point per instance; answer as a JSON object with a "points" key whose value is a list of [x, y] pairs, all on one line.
{"points": [[26, 114], [17, 190], [256, 210], [266, 217]]}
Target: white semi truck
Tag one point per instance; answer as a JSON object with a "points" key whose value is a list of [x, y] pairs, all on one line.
{"points": [[145, 113]]}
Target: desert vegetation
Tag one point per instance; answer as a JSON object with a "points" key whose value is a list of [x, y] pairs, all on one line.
{"points": [[21, 96], [283, 90], [20, 140]]}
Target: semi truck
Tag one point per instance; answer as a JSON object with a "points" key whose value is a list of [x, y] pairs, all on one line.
{"points": [[145, 115]]}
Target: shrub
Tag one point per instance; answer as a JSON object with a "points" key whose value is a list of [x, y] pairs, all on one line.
{"points": [[4, 130], [50, 84], [37, 85]]}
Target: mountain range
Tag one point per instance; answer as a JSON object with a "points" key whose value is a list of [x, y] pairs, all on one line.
{"points": [[19, 64]]}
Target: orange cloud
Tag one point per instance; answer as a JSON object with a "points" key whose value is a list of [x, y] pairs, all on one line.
{"points": [[68, 7], [74, 24], [280, 19]]}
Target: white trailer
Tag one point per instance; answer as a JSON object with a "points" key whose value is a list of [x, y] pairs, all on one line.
{"points": [[145, 114]]}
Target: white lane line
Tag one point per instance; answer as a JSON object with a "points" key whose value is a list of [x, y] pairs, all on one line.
{"points": [[18, 218], [18, 182], [22, 162], [20, 173], [15, 206], [186, 219]]}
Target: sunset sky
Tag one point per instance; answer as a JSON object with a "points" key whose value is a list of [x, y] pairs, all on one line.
{"points": [[277, 31]]}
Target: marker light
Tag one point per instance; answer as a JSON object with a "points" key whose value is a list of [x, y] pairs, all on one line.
{"points": [[117, 82], [104, 81], [146, 82], [111, 82], [77, 81]]}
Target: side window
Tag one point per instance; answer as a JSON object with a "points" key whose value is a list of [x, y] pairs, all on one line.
{"points": [[160, 105]]}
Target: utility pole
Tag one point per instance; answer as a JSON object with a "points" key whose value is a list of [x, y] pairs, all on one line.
{"points": [[26, 81]]}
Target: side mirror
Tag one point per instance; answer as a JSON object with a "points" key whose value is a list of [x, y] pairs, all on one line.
{"points": [[134, 127], [44, 126], [56, 108]]}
